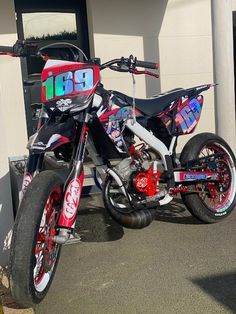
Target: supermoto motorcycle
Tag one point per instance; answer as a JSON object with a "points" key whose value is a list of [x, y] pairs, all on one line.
{"points": [[132, 144]]}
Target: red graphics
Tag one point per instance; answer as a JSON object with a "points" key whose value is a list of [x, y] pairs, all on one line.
{"points": [[62, 79], [71, 202]]}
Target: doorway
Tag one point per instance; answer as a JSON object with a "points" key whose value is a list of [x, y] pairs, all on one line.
{"points": [[45, 22]]}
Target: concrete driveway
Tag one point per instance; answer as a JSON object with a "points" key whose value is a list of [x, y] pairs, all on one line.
{"points": [[176, 265]]}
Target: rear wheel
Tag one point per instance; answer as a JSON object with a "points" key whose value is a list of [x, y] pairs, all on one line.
{"points": [[211, 201], [34, 254]]}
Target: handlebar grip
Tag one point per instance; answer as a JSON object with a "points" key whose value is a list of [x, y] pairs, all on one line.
{"points": [[21, 49], [6, 49], [146, 64]]}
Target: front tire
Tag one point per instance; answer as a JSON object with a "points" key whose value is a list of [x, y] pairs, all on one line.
{"points": [[211, 202], [33, 254]]}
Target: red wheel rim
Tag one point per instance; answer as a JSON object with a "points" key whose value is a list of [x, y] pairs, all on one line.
{"points": [[46, 249], [218, 196]]}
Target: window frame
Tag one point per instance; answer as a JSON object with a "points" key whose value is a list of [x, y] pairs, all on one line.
{"points": [[78, 7]]}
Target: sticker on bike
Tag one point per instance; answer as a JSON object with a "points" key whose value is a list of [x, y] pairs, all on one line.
{"points": [[71, 199], [71, 80], [26, 181]]}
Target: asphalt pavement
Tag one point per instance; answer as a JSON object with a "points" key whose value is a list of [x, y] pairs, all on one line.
{"points": [[176, 265]]}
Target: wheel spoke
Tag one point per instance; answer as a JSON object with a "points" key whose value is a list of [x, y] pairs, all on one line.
{"points": [[46, 250], [218, 192]]}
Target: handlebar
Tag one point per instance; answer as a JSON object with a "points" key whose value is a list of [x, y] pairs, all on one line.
{"points": [[6, 49], [147, 64], [128, 64], [20, 49], [24, 49]]}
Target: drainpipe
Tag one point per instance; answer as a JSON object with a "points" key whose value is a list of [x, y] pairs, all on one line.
{"points": [[223, 63]]}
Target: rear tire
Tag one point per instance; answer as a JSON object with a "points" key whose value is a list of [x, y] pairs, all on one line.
{"points": [[214, 201], [33, 254]]}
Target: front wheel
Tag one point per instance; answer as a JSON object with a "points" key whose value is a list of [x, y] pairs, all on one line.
{"points": [[211, 201], [34, 254]]}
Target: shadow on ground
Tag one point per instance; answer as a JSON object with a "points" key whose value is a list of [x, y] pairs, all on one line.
{"points": [[94, 224], [176, 212], [222, 287]]}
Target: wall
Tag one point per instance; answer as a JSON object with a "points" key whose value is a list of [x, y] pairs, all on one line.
{"points": [[176, 32], [233, 5], [12, 121], [121, 28], [185, 44]]}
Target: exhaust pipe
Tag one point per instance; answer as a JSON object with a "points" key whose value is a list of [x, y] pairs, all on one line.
{"points": [[138, 219]]}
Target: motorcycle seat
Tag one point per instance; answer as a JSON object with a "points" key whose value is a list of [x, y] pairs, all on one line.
{"points": [[151, 106]]}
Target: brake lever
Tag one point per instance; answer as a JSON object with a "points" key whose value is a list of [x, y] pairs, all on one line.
{"points": [[137, 72]]}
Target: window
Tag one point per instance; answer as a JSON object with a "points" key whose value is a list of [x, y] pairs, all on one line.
{"points": [[46, 22], [49, 26]]}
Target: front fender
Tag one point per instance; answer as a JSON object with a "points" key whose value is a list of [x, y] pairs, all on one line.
{"points": [[51, 135]]}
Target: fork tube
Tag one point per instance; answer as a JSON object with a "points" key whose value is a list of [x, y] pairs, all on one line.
{"points": [[33, 166], [74, 182]]}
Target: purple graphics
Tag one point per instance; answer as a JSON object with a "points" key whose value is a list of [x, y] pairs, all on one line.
{"points": [[113, 121], [188, 115], [185, 114]]}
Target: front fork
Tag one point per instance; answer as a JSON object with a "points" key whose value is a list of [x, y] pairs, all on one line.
{"points": [[34, 161], [33, 166], [72, 189]]}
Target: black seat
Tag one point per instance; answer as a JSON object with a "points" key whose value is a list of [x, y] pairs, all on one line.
{"points": [[151, 106], [154, 106]]}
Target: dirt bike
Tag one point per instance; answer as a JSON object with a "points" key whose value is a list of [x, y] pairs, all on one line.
{"points": [[132, 143]]}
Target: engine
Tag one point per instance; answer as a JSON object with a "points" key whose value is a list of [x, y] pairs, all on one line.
{"points": [[132, 193], [141, 172], [147, 182]]}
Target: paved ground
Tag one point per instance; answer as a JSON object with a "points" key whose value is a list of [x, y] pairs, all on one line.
{"points": [[176, 265]]}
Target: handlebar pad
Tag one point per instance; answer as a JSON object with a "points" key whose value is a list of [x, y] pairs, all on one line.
{"points": [[6, 49], [146, 64]]}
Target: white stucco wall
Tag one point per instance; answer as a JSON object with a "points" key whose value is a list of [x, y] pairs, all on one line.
{"points": [[233, 5], [121, 28], [175, 32], [12, 121], [185, 43]]}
